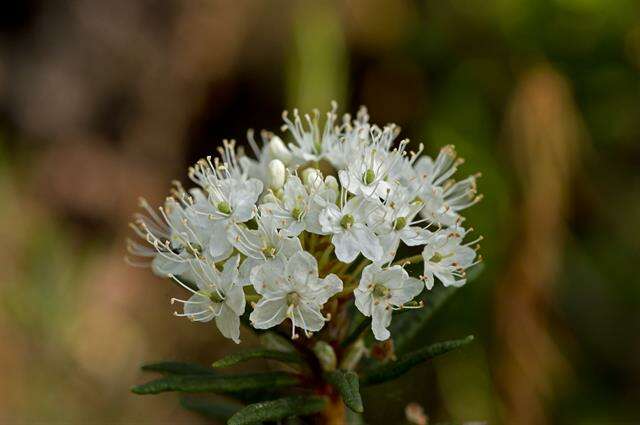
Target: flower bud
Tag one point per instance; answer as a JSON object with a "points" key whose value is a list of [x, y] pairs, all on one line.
{"points": [[279, 150], [277, 174], [312, 178], [326, 356], [332, 183]]}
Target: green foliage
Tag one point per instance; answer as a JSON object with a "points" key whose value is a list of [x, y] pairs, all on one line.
{"points": [[258, 353], [393, 370], [278, 409], [178, 368], [218, 410], [347, 384], [217, 384]]}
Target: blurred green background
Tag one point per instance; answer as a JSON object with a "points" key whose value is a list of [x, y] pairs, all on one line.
{"points": [[103, 101]]}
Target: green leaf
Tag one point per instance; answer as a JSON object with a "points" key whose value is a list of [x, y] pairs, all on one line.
{"points": [[392, 370], [256, 353], [346, 383], [178, 368], [220, 411], [278, 409], [217, 384]]}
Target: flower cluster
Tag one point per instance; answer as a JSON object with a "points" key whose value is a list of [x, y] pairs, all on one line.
{"points": [[309, 222]]}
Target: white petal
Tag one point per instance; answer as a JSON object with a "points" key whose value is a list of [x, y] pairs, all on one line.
{"points": [[326, 288], [363, 301], [405, 293], [381, 319], [308, 317], [268, 279], [347, 248], [268, 313], [229, 275], [162, 266], [199, 308], [301, 268], [368, 243], [228, 323], [235, 300]]}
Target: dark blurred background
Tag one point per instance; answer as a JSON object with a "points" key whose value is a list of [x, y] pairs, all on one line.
{"points": [[103, 101]]}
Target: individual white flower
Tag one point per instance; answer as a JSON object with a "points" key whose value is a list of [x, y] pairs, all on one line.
{"points": [[174, 239], [299, 205], [230, 200], [262, 245], [311, 143], [380, 292], [353, 134], [443, 198], [367, 171], [447, 258], [219, 296], [294, 292], [348, 225], [395, 221]]}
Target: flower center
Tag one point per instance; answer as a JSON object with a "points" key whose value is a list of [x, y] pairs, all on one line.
{"points": [[347, 221], [400, 223], [224, 207], [369, 176], [269, 251], [293, 299], [436, 258], [380, 291], [297, 213], [417, 201], [215, 297]]}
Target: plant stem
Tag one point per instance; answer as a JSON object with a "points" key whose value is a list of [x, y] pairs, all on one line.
{"points": [[334, 413], [414, 259]]}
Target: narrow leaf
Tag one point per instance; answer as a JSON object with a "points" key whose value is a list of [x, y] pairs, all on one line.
{"points": [[219, 384], [212, 410], [346, 383], [242, 356], [278, 409], [178, 368], [392, 370]]}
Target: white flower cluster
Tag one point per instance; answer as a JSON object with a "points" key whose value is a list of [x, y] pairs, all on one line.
{"points": [[284, 230]]}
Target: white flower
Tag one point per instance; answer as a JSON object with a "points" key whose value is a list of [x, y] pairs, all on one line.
{"points": [[294, 292], [447, 258], [277, 174], [367, 171], [219, 296], [351, 235], [443, 198], [312, 143], [395, 221], [262, 245], [230, 200], [380, 292]]}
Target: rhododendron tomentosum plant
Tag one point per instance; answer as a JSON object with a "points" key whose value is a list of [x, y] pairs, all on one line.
{"points": [[300, 243]]}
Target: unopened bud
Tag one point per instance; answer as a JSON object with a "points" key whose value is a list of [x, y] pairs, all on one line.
{"points": [[312, 178], [279, 150], [332, 183], [277, 174], [326, 356]]}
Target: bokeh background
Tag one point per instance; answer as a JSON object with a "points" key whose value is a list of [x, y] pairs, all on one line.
{"points": [[103, 101]]}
